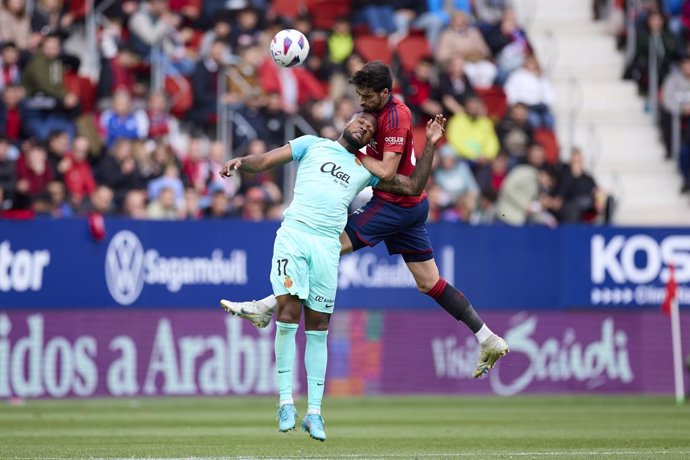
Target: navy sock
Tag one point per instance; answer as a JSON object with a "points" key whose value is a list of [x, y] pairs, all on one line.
{"points": [[455, 303]]}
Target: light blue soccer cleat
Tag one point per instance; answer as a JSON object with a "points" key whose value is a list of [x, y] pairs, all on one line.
{"points": [[313, 424], [287, 417]]}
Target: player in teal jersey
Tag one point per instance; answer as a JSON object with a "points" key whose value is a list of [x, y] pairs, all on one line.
{"points": [[306, 251]]}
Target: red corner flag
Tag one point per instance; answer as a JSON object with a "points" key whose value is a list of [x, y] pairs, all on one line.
{"points": [[671, 290]]}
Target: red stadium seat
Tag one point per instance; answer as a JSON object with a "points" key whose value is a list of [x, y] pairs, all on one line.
{"points": [[325, 12], [318, 44], [288, 8], [77, 8], [411, 49], [547, 139], [495, 100], [373, 47]]}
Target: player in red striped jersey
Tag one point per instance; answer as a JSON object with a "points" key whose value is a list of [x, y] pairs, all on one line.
{"points": [[399, 221]]}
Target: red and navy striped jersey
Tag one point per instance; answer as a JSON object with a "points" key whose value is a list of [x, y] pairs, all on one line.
{"points": [[394, 134]]}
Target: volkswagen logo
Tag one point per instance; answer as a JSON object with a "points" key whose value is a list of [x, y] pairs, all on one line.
{"points": [[124, 267]]}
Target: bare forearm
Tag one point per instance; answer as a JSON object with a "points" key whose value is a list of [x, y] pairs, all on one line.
{"points": [[254, 163], [415, 183], [379, 168], [421, 172]]}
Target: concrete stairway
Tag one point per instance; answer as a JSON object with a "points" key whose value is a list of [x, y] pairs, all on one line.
{"points": [[620, 140]]}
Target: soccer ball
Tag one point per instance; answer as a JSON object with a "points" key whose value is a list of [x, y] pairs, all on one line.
{"points": [[289, 48]]}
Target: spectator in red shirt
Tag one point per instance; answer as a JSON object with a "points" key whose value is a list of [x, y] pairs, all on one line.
{"points": [[296, 85], [11, 123], [193, 164], [8, 175], [158, 116], [33, 175], [419, 90], [10, 73], [79, 176], [119, 64], [491, 178]]}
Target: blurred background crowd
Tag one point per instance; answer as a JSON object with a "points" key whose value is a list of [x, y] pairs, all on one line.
{"points": [[130, 108]]}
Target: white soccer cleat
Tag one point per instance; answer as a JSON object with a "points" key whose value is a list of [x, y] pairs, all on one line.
{"points": [[490, 351], [255, 311]]}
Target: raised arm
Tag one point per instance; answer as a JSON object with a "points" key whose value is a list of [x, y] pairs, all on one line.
{"points": [[415, 183], [256, 163]]}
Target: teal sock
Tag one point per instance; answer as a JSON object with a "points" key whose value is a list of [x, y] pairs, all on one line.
{"points": [[285, 357], [315, 360]]}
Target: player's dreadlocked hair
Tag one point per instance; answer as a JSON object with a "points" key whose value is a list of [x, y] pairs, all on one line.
{"points": [[375, 75]]}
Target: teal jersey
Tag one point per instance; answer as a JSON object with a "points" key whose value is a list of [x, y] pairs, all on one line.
{"points": [[328, 179]]}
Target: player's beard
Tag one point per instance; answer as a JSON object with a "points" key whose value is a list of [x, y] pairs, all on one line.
{"points": [[352, 141]]}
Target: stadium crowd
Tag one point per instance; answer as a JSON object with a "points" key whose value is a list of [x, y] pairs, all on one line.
{"points": [[119, 145], [662, 26]]}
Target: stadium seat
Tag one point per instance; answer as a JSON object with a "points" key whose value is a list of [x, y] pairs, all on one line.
{"points": [[325, 12], [495, 100], [411, 49], [547, 139], [318, 44], [373, 47], [77, 8], [288, 8]]}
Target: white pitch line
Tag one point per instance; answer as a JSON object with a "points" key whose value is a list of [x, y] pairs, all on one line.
{"points": [[560, 454]]}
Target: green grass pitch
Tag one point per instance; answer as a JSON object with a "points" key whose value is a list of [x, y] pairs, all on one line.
{"points": [[384, 427]]}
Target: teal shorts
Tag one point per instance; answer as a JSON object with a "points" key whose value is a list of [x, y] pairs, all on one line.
{"points": [[306, 265]]}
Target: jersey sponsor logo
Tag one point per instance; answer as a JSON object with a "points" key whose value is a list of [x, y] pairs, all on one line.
{"points": [[129, 267], [395, 140], [335, 171]]}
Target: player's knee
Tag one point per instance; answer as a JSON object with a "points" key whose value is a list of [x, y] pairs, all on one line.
{"points": [[285, 315], [319, 325], [425, 285]]}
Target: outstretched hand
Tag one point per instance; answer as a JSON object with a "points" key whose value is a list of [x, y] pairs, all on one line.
{"points": [[230, 166], [435, 129]]}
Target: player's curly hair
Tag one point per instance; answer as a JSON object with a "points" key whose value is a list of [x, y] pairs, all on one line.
{"points": [[375, 75]]}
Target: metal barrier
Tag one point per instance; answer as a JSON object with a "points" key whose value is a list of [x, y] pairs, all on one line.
{"points": [[656, 56], [549, 52], [573, 106], [676, 122], [292, 124]]}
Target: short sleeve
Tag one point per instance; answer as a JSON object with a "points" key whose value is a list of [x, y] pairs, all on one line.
{"points": [[300, 145], [398, 128]]}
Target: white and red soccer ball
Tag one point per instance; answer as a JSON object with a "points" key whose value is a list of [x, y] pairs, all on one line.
{"points": [[289, 48]]}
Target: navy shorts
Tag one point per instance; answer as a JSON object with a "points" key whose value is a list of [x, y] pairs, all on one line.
{"points": [[402, 229]]}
